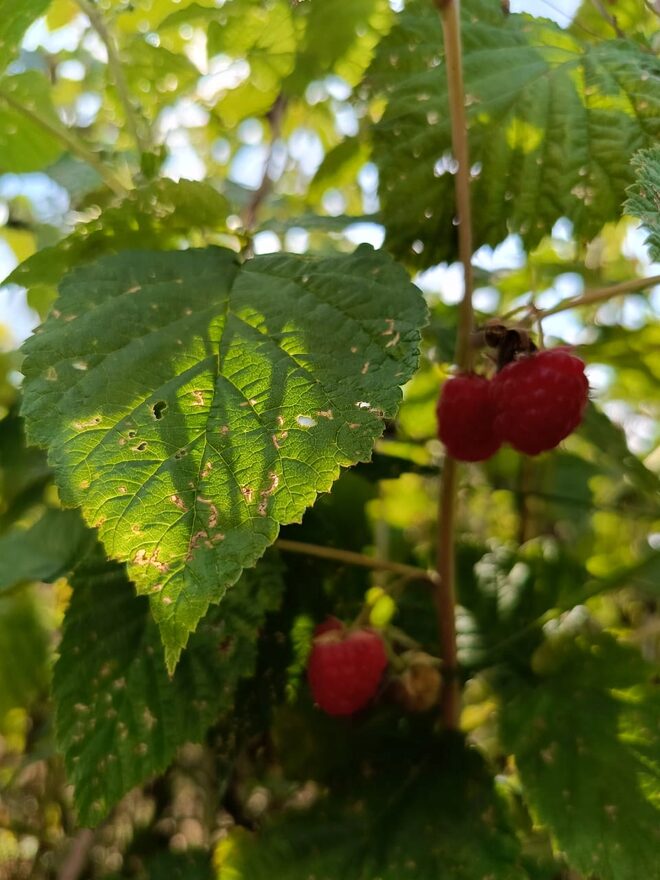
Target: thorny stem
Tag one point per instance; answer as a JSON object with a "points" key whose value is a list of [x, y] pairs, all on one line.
{"points": [[72, 143], [589, 297], [115, 65], [445, 591], [350, 558]]}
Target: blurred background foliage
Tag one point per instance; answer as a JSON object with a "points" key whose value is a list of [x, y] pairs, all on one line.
{"points": [[260, 125]]}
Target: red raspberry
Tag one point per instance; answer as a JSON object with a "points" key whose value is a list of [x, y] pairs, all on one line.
{"points": [[539, 400], [345, 667], [465, 418]]}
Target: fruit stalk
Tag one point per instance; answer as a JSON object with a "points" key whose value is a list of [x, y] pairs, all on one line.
{"points": [[445, 592]]}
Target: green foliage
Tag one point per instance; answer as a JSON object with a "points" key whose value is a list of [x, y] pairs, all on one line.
{"points": [[585, 738], [505, 594], [23, 652], [229, 402], [120, 717], [197, 402], [28, 123], [644, 201], [553, 123], [43, 551], [159, 216], [23, 472], [338, 38], [421, 807], [15, 19]]}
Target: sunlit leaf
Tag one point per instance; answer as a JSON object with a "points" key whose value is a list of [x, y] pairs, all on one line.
{"points": [[224, 400]]}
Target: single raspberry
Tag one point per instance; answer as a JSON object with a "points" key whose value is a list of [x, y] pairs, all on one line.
{"points": [[539, 400], [465, 418], [345, 667]]}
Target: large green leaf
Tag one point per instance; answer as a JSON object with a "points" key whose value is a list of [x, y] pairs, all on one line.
{"points": [[44, 551], [415, 809], [644, 200], [161, 215], [15, 19], [26, 143], [553, 123], [585, 737], [191, 404], [120, 717]]}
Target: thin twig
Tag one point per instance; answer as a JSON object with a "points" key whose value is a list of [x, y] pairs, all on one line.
{"points": [[76, 859], [115, 65], [445, 591], [588, 298], [62, 134], [350, 558], [591, 297], [275, 116], [610, 19]]}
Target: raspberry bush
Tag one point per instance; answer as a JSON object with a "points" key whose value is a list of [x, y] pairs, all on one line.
{"points": [[306, 569]]}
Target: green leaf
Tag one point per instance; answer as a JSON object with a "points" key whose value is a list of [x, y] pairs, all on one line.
{"points": [[190, 404], [25, 144], [585, 738], [553, 123], [191, 865], [262, 35], [338, 38], [414, 810], [339, 167], [504, 595], [44, 551], [15, 19], [161, 215], [644, 196], [614, 456], [119, 717], [23, 470], [630, 17], [23, 652], [157, 75]]}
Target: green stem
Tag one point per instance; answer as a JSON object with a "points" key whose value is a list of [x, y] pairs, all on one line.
{"points": [[115, 65]]}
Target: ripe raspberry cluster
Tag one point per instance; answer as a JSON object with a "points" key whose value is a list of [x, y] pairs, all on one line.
{"points": [[532, 403], [345, 667]]}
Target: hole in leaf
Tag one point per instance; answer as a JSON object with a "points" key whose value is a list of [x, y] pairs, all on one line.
{"points": [[141, 446], [159, 409]]}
